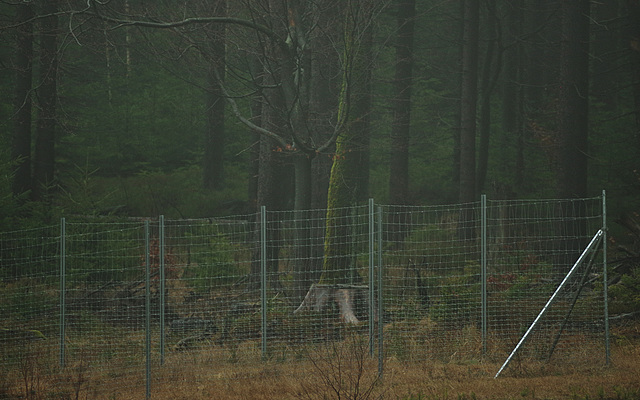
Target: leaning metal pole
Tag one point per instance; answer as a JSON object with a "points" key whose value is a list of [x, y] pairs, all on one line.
{"points": [[592, 245]]}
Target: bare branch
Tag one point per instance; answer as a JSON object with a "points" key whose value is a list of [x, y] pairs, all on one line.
{"points": [[244, 120], [189, 21]]}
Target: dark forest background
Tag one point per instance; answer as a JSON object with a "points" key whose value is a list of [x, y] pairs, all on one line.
{"points": [[209, 108]]}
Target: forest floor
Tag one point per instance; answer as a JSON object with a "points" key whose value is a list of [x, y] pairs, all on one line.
{"points": [[621, 380], [347, 372], [353, 375]]}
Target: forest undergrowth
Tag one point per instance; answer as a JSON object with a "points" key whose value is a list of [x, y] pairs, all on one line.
{"points": [[344, 370]]}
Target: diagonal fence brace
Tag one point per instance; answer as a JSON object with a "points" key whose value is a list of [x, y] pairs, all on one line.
{"points": [[590, 247]]}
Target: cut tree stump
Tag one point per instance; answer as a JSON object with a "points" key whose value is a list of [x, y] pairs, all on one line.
{"points": [[350, 300]]}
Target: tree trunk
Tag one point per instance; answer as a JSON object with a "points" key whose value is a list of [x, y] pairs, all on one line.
{"points": [[256, 73], [275, 180], [455, 168], [361, 109], [44, 163], [489, 78], [469, 98], [343, 185], [573, 126], [633, 11], [21, 145], [303, 247], [401, 124], [324, 95], [573, 101], [512, 94], [213, 163], [352, 301]]}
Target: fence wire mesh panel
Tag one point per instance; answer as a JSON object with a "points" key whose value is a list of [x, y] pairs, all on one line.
{"points": [[212, 291], [28, 306], [432, 293], [434, 280], [531, 247], [106, 307]]}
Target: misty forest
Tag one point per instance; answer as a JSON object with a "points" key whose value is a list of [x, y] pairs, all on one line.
{"points": [[210, 108], [206, 111]]}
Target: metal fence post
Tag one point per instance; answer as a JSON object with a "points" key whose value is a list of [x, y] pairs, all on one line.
{"points": [[63, 288], [162, 285], [605, 288], [483, 267], [380, 298], [263, 278], [147, 308], [371, 277]]}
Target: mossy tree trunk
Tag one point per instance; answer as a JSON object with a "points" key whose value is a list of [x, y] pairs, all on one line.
{"points": [[346, 183]]}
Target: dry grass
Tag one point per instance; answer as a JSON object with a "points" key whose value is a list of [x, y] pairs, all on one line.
{"points": [[340, 370]]}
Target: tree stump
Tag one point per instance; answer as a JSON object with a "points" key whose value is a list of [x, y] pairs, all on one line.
{"points": [[351, 301]]}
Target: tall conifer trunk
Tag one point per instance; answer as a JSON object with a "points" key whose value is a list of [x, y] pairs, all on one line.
{"points": [[44, 162], [21, 144], [573, 100], [403, 83], [633, 10], [467, 192], [213, 163], [573, 127]]}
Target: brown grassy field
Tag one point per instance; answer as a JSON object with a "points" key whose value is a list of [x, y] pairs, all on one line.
{"points": [[620, 380], [339, 370]]}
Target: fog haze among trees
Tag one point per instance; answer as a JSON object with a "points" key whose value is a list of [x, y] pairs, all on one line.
{"points": [[216, 108]]}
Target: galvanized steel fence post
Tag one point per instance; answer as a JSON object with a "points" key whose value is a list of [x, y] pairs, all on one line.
{"points": [[161, 266], [63, 288], [263, 278], [483, 267], [371, 277], [380, 297], [605, 286], [147, 308]]}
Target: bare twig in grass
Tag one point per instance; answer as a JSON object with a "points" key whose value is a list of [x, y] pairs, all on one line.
{"points": [[342, 370], [80, 371], [29, 370]]}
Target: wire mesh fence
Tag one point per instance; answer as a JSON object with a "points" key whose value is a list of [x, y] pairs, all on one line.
{"points": [[110, 305]]}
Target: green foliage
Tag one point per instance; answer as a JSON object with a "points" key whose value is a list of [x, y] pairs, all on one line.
{"points": [[625, 295], [126, 119], [443, 273], [211, 262], [458, 301], [24, 300], [177, 194], [107, 251], [625, 267]]}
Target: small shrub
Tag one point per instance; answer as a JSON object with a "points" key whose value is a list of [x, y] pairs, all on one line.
{"points": [[342, 370]]}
